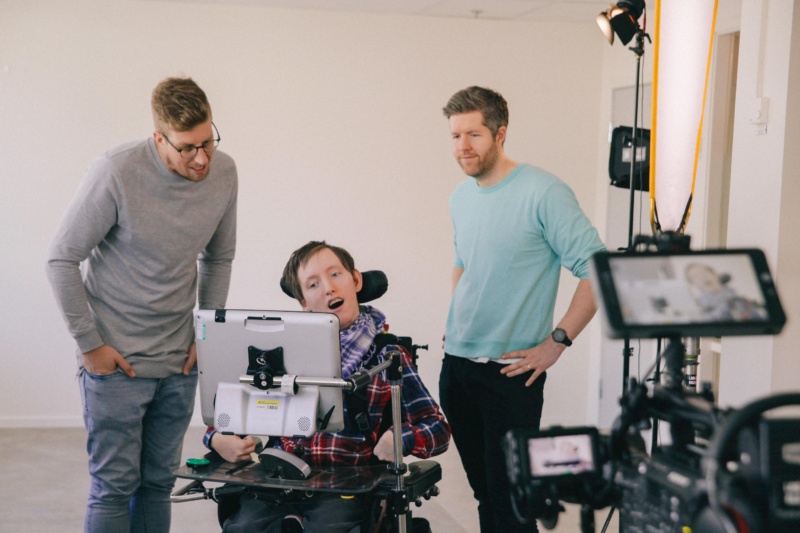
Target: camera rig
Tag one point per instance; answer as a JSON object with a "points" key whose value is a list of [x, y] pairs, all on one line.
{"points": [[722, 470]]}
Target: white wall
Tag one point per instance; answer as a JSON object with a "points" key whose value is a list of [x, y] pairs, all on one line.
{"points": [[764, 193], [335, 123]]}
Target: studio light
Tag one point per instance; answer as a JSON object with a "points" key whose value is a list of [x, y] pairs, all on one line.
{"points": [[621, 18]]}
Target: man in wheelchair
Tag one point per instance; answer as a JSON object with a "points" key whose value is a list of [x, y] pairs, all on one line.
{"points": [[323, 278]]}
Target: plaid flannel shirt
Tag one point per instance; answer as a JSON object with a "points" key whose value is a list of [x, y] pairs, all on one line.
{"points": [[425, 431]]}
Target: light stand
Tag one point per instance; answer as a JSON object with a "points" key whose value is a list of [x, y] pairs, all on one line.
{"points": [[638, 49], [691, 362], [621, 19]]}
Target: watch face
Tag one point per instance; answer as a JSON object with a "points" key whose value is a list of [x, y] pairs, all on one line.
{"points": [[559, 335]]}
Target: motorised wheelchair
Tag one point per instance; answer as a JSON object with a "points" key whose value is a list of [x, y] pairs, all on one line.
{"points": [[385, 490]]}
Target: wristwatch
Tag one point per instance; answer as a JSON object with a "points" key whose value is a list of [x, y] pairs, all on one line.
{"points": [[559, 335]]}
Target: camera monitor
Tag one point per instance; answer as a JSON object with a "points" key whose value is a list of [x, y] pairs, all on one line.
{"points": [[309, 347], [568, 454], [708, 293], [557, 453]]}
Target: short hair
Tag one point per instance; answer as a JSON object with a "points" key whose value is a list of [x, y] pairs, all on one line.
{"points": [[301, 256], [180, 104], [490, 103]]}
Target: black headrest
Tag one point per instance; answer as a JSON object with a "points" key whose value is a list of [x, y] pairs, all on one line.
{"points": [[374, 285]]}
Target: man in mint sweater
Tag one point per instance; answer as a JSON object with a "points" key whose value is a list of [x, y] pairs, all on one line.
{"points": [[515, 226], [150, 231]]}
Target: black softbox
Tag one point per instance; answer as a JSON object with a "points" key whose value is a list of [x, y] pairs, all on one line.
{"points": [[619, 162]]}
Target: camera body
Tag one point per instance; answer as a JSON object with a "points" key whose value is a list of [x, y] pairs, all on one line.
{"points": [[722, 470]]}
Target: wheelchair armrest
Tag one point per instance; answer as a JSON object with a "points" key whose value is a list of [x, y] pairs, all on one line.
{"points": [[422, 475], [421, 478]]}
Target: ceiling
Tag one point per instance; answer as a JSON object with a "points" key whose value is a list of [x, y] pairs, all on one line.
{"points": [[573, 11]]}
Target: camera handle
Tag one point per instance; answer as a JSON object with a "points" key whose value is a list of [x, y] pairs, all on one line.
{"points": [[666, 402], [680, 361], [690, 361], [723, 447], [674, 356]]}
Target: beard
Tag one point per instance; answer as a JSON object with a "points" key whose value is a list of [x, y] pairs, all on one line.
{"points": [[483, 165]]}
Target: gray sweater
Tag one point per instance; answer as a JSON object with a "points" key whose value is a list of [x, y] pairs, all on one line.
{"points": [[125, 259]]}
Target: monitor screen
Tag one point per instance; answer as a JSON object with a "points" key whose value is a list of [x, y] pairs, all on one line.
{"points": [[562, 455], [310, 348], [686, 294]]}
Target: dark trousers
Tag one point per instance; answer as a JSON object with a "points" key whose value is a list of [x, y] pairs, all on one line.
{"points": [[482, 405], [322, 513]]}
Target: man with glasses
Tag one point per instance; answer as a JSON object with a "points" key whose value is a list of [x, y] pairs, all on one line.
{"points": [[150, 232]]}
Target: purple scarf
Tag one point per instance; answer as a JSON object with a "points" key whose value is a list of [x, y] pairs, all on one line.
{"points": [[357, 339]]}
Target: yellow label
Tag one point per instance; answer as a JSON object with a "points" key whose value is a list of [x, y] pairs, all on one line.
{"points": [[268, 402]]}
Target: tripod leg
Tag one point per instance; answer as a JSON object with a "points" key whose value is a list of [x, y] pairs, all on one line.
{"points": [[587, 519]]}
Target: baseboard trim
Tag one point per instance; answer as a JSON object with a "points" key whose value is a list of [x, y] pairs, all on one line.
{"points": [[38, 422]]}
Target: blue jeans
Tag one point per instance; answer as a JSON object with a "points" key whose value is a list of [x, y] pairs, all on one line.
{"points": [[135, 432], [482, 405]]}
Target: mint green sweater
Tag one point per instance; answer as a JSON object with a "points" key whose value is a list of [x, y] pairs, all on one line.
{"points": [[512, 239]]}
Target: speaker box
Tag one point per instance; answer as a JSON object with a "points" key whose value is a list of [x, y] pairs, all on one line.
{"points": [[619, 161]]}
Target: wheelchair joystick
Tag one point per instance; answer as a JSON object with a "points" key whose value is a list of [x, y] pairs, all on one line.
{"points": [[284, 465]]}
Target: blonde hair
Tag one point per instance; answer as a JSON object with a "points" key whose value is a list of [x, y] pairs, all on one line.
{"points": [[179, 104]]}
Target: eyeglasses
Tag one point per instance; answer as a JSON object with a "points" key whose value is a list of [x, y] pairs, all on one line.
{"points": [[190, 151]]}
